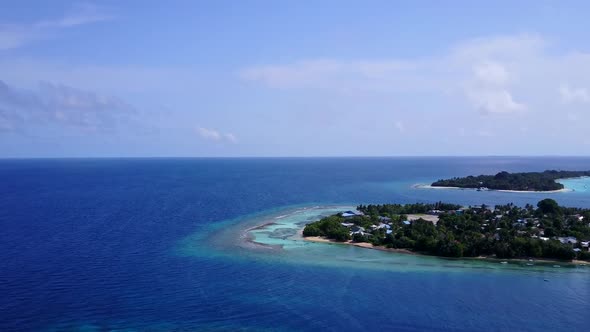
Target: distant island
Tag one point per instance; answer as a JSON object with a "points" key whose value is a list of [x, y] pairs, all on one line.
{"points": [[548, 231], [530, 181]]}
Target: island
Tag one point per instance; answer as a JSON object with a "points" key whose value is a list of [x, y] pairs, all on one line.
{"points": [[529, 181], [547, 231]]}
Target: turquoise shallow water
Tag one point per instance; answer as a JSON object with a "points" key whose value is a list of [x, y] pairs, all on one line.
{"points": [[580, 186], [158, 245], [386, 276], [276, 236]]}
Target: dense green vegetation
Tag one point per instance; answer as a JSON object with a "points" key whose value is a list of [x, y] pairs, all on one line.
{"points": [[329, 227], [393, 209], [505, 231], [531, 181]]}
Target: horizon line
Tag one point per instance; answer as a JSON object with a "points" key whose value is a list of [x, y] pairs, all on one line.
{"points": [[299, 157]]}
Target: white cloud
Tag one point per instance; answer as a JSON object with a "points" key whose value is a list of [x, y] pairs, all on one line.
{"points": [[104, 78], [499, 48], [231, 137], [491, 73], [485, 72], [494, 101], [215, 135], [573, 95], [209, 134], [488, 89], [321, 73], [17, 35], [59, 104]]}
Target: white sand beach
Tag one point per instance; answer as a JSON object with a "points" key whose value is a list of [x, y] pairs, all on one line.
{"points": [[427, 186]]}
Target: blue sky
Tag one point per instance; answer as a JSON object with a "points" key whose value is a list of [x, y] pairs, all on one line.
{"points": [[294, 78]]}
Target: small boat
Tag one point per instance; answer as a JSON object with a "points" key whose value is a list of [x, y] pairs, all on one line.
{"points": [[504, 262], [530, 264]]}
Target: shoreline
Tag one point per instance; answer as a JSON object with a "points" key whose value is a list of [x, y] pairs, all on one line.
{"points": [[249, 240], [366, 245], [427, 186], [574, 178]]}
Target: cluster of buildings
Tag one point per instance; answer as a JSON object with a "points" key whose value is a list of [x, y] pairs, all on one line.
{"points": [[355, 229], [535, 224], [520, 224]]}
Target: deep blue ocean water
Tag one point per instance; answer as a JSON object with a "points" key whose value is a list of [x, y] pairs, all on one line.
{"points": [[93, 244]]}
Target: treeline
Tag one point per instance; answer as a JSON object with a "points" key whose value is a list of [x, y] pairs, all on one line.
{"points": [[505, 231], [460, 236], [393, 209], [329, 227], [531, 181]]}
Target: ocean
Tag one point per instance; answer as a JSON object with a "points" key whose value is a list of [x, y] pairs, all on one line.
{"points": [[149, 245]]}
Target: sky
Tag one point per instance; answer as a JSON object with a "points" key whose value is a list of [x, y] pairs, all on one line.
{"points": [[294, 78]]}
